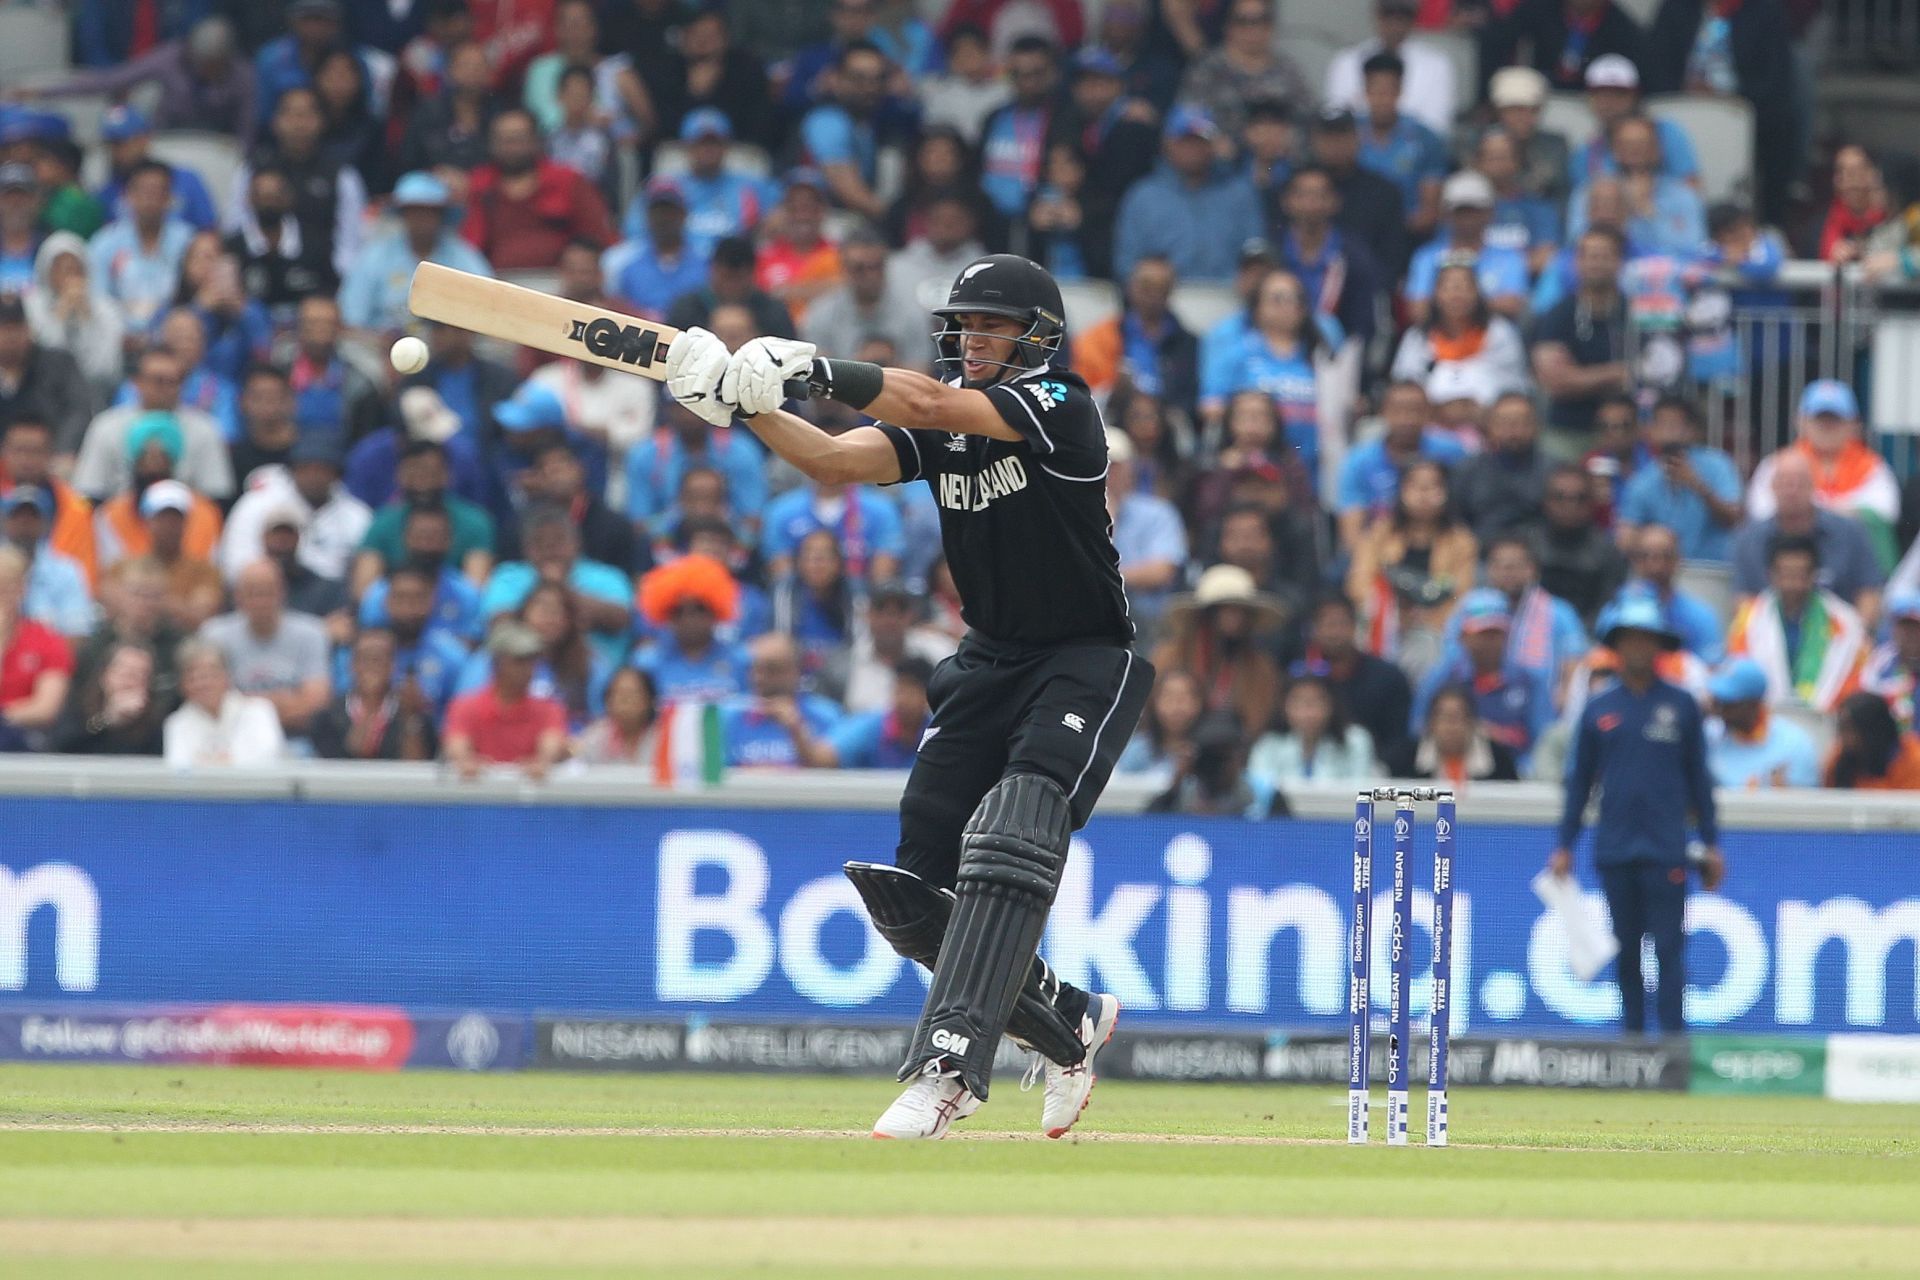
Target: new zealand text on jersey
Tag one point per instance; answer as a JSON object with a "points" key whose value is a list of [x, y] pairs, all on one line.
{"points": [[961, 492]]}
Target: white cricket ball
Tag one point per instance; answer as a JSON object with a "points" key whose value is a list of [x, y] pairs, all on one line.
{"points": [[409, 355]]}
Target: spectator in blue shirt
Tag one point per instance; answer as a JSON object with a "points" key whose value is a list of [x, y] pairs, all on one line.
{"points": [[841, 137], [1643, 741], [686, 603], [1013, 140], [681, 443], [1665, 215], [1523, 221], [1690, 488], [128, 135], [1148, 533], [650, 275], [1274, 355], [552, 550], [1400, 148], [135, 259], [184, 334], [450, 605], [425, 650], [56, 586], [374, 293], [817, 604], [1336, 269], [1370, 473], [533, 419], [1501, 273], [888, 739], [1747, 748], [1187, 191], [1515, 705], [774, 725], [314, 29], [721, 202], [867, 525], [1653, 551]]}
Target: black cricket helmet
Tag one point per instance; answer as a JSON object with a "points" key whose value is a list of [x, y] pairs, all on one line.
{"points": [[1003, 284]]}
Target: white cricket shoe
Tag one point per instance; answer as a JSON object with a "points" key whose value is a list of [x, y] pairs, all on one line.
{"points": [[929, 1107], [1068, 1088]]}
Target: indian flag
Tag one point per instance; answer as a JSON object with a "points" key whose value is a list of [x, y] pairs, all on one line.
{"points": [[687, 745]]}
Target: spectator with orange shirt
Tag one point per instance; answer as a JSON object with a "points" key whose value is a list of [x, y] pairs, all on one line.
{"points": [[798, 263], [1146, 341], [504, 723], [1872, 753], [26, 462]]}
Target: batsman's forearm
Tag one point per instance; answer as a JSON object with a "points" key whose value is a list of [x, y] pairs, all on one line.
{"points": [[797, 441]]}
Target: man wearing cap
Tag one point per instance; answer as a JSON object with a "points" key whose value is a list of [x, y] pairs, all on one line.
{"points": [[1653, 551], [1849, 477], [21, 206], [1518, 95], [203, 82], [522, 208], [135, 259], [648, 274], [1248, 64], [1893, 669], [1467, 199], [1849, 564], [333, 522], [373, 297], [505, 723], [128, 135], [1613, 94], [1563, 37], [172, 527], [1188, 190], [1515, 705], [1644, 742], [533, 418], [56, 590], [1400, 148], [1750, 749], [800, 263], [1370, 205], [26, 462], [1428, 94], [720, 201]]}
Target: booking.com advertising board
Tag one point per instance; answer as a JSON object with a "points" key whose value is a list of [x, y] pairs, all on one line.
{"points": [[743, 915]]}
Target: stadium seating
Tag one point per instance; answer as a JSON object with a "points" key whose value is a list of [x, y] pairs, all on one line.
{"points": [[744, 157], [1722, 134], [215, 157], [1088, 302], [31, 39], [1202, 306]]}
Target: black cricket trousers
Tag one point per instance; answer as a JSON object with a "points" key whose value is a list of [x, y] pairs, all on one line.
{"points": [[1065, 713], [1647, 899]]}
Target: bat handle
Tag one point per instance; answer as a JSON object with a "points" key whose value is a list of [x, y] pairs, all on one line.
{"points": [[799, 389]]}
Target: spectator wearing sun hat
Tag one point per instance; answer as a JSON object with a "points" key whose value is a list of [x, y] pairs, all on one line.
{"points": [[1518, 96], [1747, 747], [374, 294]]}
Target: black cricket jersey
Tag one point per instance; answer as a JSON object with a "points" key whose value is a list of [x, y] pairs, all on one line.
{"points": [[1024, 522]]}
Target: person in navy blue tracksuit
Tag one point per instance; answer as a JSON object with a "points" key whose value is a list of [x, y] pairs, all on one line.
{"points": [[1643, 741]]}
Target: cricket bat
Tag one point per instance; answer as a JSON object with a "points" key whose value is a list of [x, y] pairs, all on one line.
{"points": [[558, 326]]}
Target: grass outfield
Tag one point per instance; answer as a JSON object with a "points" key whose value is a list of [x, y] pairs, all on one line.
{"points": [[208, 1172]]}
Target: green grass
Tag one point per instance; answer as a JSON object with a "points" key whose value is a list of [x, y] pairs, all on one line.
{"points": [[290, 1172]]}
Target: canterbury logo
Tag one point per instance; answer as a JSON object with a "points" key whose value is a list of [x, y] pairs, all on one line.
{"points": [[947, 1042], [610, 340]]}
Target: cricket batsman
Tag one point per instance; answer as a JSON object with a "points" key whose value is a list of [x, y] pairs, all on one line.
{"points": [[1029, 716]]}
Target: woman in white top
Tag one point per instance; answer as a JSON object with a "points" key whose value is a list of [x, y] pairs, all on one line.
{"points": [[1320, 744], [215, 726], [1463, 331]]}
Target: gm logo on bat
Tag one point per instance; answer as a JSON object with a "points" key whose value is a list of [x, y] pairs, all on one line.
{"points": [[611, 340]]}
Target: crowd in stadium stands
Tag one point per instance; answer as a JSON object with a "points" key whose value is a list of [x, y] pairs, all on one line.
{"points": [[1371, 516]]}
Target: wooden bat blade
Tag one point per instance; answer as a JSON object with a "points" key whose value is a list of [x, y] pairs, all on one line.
{"points": [[529, 318]]}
